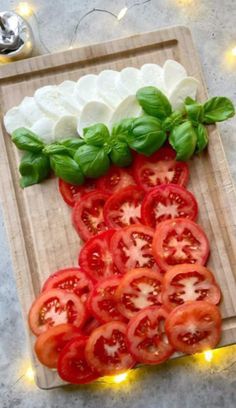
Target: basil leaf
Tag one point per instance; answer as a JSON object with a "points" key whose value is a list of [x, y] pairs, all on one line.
{"points": [[154, 102], [183, 139], [67, 147], [96, 135], [72, 144], [24, 139], [34, 167], [93, 160], [202, 138], [66, 168], [189, 101], [55, 148], [121, 129], [120, 154], [146, 135], [218, 109], [195, 112], [173, 120]]}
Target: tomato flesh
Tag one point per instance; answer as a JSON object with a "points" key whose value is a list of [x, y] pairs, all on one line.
{"points": [[114, 180], [71, 193]]}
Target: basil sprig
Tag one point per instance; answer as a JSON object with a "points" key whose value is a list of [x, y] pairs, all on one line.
{"points": [[27, 140], [34, 168]]}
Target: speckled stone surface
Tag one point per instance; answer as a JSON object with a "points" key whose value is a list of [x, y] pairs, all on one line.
{"points": [[186, 383]]}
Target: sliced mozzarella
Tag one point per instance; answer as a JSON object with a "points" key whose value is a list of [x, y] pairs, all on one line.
{"points": [[128, 108], [31, 110], [15, 119], [50, 100], [86, 89], [129, 81], [66, 90], [173, 73], [94, 112], [106, 85], [44, 129], [152, 75], [67, 87], [186, 87], [66, 127]]}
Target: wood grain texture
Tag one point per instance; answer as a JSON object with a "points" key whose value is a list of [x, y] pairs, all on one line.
{"points": [[38, 221]]}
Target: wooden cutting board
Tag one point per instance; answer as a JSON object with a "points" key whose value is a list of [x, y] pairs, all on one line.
{"points": [[38, 222]]}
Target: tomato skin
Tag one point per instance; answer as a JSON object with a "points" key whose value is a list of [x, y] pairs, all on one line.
{"points": [[106, 350], [55, 307], [174, 240], [188, 282], [146, 336], [49, 344], [194, 327], [168, 201], [72, 365], [72, 193], [116, 179]]}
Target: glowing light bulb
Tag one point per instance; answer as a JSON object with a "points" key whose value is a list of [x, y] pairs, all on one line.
{"points": [[29, 374], [208, 355], [122, 13], [120, 378], [233, 52], [24, 9]]}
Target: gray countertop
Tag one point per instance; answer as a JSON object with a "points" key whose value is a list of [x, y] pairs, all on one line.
{"points": [[189, 382]]}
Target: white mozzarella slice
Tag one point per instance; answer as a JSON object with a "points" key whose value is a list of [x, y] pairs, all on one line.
{"points": [[66, 127], [67, 89], [129, 81], [44, 129], [128, 108], [106, 85], [173, 73], [92, 113], [86, 89], [15, 119], [50, 100], [31, 110], [186, 87], [152, 75]]}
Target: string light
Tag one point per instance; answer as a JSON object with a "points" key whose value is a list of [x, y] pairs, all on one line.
{"points": [[122, 13], [208, 355], [29, 374], [117, 379], [24, 9]]}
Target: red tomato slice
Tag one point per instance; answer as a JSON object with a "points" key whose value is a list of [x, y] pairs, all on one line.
{"points": [[124, 207], [132, 248], [49, 344], [146, 336], [160, 168], [72, 193], [90, 325], [72, 365], [95, 257], [187, 282], [106, 350], [87, 214], [55, 307], [138, 289], [194, 327], [179, 241], [102, 303], [71, 280], [114, 180], [168, 201]]}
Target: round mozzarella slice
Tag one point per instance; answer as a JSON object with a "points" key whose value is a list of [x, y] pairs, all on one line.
{"points": [[106, 85], [93, 112], [31, 110], [152, 75], [173, 73], [67, 87], [128, 108], [50, 100], [15, 119], [66, 90], [86, 89], [186, 87], [129, 81], [44, 129], [66, 127]]}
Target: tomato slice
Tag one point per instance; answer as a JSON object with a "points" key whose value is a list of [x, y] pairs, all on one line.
{"points": [[146, 336], [124, 207], [168, 201], [96, 258], [72, 365], [55, 307], [187, 282], [160, 168], [72, 193], [87, 214], [132, 248], [106, 350], [71, 280], [138, 289], [179, 241], [194, 327], [102, 303], [115, 179], [49, 344]]}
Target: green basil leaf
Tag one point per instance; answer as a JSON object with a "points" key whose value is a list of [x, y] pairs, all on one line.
{"points": [[66, 168], [66, 146], [96, 135], [189, 101], [55, 148], [120, 154], [146, 135], [24, 139], [194, 112], [173, 120], [34, 167], [202, 138], [183, 139], [121, 129], [73, 143], [93, 160], [154, 102], [218, 109]]}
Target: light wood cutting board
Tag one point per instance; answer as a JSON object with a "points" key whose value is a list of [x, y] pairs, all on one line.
{"points": [[38, 222]]}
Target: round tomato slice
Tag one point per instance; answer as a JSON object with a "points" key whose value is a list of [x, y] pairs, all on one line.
{"points": [[179, 241], [72, 365], [168, 201], [132, 248], [102, 303], [146, 336], [87, 214], [124, 207], [138, 289], [71, 280], [95, 257], [187, 282], [114, 180], [72, 193], [49, 344], [160, 168], [194, 327], [106, 350], [55, 307]]}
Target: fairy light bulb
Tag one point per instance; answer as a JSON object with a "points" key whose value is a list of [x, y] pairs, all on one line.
{"points": [[29, 375], [208, 355], [24, 9], [233, 52], [122, 13], [117, 379]]}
